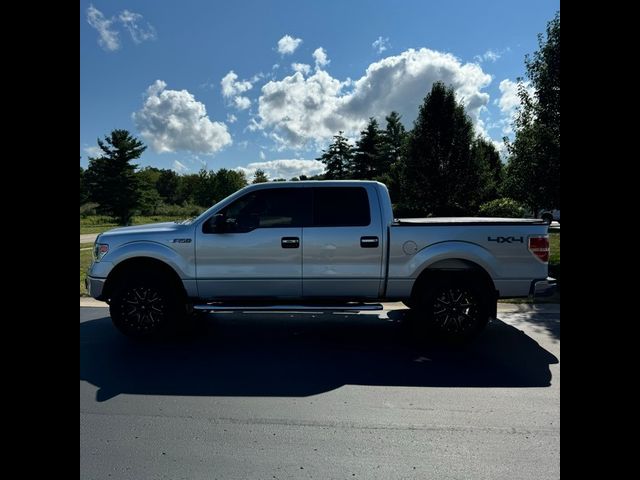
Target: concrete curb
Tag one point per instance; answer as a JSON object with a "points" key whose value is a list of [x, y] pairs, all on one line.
{"points": [[91, 302]]}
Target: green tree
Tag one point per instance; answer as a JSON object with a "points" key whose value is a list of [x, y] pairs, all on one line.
{"points": [[533, 171], [487, 161], [394, 139], [260, 177], [367, 154], [111, 177], [167, 186], [205, 189], [337, 158], [228, 182], [150, 199], [187, 186], [438, 177], [84, 191]]}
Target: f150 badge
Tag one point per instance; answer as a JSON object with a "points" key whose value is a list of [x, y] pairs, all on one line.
{"points": [[181, 240], [506, 239]]}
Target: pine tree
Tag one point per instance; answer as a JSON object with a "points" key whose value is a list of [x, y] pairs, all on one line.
{"points": [[111, 177], [368, 153], [337, 158], [392, 155], [393, 139], [84, 192], [260, 177], [438, 177]]}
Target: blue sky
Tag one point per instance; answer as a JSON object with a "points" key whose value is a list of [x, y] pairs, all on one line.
{"points": [[265, 84]]}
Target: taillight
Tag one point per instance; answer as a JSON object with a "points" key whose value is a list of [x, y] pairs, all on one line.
{"points": [[539, 246]]}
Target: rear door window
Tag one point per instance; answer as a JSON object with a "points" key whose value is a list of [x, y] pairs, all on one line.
{"points": [[340, 207]]}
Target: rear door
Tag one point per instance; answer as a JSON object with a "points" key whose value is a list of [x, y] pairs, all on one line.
{"points": [[342, 249]]}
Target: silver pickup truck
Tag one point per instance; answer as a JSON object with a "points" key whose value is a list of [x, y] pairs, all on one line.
{"points": [[317, 245]]}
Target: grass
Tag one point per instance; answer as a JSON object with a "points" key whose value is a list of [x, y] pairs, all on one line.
{"points": [[554, 257], [101, 223], [85, 262]]}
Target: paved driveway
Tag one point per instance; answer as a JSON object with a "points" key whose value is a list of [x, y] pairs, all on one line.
{"points": [[321, 396]]}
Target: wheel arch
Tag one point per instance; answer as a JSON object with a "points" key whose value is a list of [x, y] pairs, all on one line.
{"points": [[148, 265], [457, 266]]}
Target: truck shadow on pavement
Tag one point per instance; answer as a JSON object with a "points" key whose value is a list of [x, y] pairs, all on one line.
{"points": [[301, 355]]}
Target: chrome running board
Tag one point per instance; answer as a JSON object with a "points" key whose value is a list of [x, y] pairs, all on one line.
{"points": [[347, 307]]}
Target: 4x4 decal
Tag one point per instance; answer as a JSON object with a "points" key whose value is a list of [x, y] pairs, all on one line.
{"points": [[506, 239]]}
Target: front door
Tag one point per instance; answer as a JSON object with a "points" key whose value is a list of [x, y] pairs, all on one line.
{"points": [[253, 247]]}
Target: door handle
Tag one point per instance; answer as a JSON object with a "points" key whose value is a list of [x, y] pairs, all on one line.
{"points": [[369, 242], [290, 242]]}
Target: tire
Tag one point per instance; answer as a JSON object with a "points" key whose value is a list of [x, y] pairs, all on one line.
{"points": [[146, 307], [547, 218], [453, 306]]}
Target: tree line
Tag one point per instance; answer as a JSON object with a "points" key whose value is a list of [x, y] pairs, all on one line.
{"points": [[440, 167], [112, 185]]}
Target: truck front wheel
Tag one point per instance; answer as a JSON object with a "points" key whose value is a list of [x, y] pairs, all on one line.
{"points": [[144, 307], [454, 306]]}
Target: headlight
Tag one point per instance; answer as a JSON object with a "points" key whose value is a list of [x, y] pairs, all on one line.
{"points": [[99, 251]]}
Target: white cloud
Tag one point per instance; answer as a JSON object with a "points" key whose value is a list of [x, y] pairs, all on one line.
{"points": [[509, 100], [173, 120], [297, 111], [287, 44], [107, 37], [231, 118], [139, 33], [320, 56], [94, 151], [491, 55], [262, 155], [301, 67], [241, 103], [180, 167], [231, 86], [284, 168], [381, 44], [509, 103]]}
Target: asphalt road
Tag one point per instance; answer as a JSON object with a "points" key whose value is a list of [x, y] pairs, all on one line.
{"points": [[266, 396]]}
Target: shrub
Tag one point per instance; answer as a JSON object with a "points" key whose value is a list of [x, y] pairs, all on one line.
{"points": [[88, 209], [502, 207]]}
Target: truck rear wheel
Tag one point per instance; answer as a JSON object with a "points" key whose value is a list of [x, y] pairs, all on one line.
{"points": [[144, 307], [453, 306]]}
